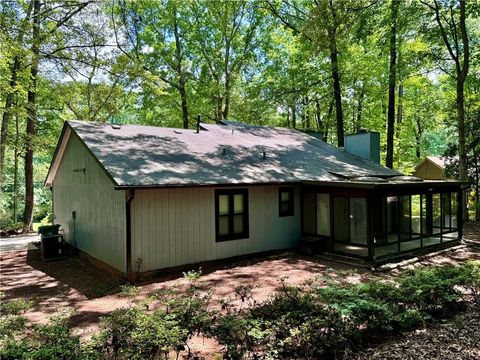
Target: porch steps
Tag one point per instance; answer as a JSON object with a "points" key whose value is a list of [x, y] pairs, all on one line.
{"points": [[347, 260], [310, 245]]}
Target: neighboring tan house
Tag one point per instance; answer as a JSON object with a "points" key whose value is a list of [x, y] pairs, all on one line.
{"points": [[432, 168], [142, 198]]}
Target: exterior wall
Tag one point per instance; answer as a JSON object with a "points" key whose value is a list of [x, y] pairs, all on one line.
{"points": [[172, 227], [99, 227], [429, 171]]}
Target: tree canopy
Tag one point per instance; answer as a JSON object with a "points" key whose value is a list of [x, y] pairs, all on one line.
{"points": [[407, 69]]}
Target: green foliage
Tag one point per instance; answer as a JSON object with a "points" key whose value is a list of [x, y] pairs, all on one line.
{"points": [[129, 291], [50, 341], [322, 319], [133, 333], [12, 320]]}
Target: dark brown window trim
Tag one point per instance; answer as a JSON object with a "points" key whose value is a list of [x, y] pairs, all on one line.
{"points": [[291, 203], [231, 193]]}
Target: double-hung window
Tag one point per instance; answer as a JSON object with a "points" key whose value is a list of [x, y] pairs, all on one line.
{"points": [[231, 214]]}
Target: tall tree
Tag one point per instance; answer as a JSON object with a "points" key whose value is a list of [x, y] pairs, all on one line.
{"points": [[152, 35], [451, 24], [392, 82], [31, 117], [71, 9], [225, 39], [13, 83]]}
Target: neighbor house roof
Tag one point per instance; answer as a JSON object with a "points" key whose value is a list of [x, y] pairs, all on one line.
{"points": [[229, 153], [440, 161]]}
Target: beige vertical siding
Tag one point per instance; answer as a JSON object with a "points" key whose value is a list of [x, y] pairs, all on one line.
{"points": [[429, 171], [172, 227], [100, 210]]}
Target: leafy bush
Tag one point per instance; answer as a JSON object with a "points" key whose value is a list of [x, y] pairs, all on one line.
{"points": [[133, 333], [12, 320], [432, 290], [308, 322], [51, 341], [129, 291]]}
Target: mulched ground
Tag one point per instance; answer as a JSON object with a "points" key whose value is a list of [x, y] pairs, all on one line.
{"points": [[93, 293], [456, 339]]}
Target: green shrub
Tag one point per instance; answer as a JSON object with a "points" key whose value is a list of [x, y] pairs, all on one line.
{"points": [[432, 290], [12, 320], [51, 341], [129, 291], [133, 333]]}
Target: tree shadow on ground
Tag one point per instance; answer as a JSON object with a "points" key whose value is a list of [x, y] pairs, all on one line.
{"points": [[26, 274]]}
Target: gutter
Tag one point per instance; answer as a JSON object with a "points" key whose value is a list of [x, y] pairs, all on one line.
{"points": [[128, 211]]}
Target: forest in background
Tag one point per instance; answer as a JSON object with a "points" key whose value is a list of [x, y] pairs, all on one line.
{"points": [[408, 69]]}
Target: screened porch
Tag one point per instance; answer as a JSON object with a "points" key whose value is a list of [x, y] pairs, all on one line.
{"points": [[379, 221]]}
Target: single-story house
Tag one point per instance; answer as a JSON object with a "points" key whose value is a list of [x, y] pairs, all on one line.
{"points": [[433, 167], [142, 198]]}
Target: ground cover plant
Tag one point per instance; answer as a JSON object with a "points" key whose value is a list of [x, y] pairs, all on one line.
{"points": [[325, 318]]}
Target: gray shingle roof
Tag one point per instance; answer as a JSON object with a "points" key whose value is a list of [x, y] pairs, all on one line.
{"points": [[136, 155]]}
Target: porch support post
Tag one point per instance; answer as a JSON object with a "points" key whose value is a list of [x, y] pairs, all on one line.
{"points": [[460, 214], [429, 214]]}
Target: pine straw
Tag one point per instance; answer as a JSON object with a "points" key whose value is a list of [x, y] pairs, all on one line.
{"points": [[456, 339]]}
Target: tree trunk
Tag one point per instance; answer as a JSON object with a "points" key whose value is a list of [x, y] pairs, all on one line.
{"points": [[392, 84], [461, 76], [6, 114], [358, 122], [31, 119], [183, 96], [11, 93], [16, 154], [181, 75], [288, 116], [294, 116], [318, 115], [418, 138], [337, 91], [399, 122], [226, 107], [305, 113], [329, 121]]}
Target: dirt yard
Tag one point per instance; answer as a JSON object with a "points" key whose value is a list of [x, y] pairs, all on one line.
{"points": [[93, 293]]}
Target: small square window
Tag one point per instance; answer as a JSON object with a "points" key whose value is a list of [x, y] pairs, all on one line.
{"points": [[286, 203]]}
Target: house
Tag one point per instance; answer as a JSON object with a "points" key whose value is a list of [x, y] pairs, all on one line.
{"points": [[433, 167], [141, 198]]}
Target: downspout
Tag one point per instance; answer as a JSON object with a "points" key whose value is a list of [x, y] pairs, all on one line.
{"points": [[128, 211], [53, 206]]}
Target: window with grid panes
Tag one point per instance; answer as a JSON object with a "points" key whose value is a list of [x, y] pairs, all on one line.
{"points": [[231, 208]]}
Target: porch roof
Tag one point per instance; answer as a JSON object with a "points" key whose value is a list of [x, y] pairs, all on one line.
{"points": [[389, 184]]}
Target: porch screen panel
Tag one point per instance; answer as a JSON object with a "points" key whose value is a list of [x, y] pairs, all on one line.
{"points": [[405, 217], [323, 214], [446, 215], [341, 219], [423, 199], [416, 216], [454, 209], [378, 220], [436, 214], [450, 205], [392, 219], [358, 220], [309, 226]]}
